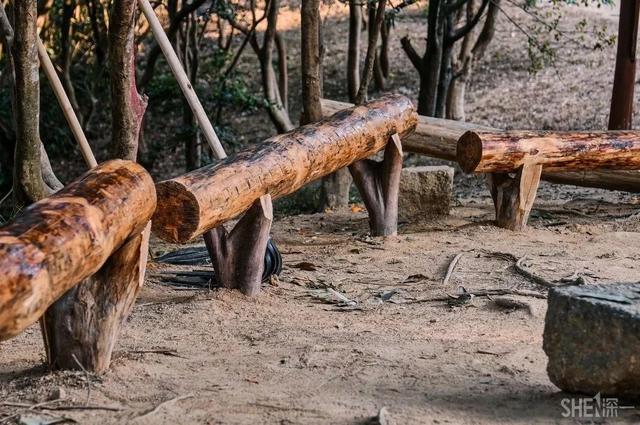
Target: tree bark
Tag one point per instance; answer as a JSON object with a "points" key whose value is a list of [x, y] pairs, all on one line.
{"points": [[513, 197], [238, 257], [214, 194], [621, 115], [277, 112], [28, 184], [82, 327], [379, 185], [127, 105], [372, 49], [505, 152], [67, 237], [353, 50], [283, 71], [438, 138]]}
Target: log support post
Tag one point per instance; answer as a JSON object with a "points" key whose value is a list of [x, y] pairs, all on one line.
{"points": [[238, 256], [379, 184], [81, 328], [513, 195]]}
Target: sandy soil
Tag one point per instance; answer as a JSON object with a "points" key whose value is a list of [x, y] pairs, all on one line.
{"points": [[287, 357]]}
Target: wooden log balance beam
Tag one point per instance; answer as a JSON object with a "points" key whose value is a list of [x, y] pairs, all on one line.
{"points": [[89, 231], [438, 138], [527, 153], [197, 202]]}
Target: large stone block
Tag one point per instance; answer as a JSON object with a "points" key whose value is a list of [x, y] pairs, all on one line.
{"points": [[592, 339], [425, 192]]}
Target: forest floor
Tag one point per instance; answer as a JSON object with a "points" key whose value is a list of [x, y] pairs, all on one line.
{"points": [[290, 357]]}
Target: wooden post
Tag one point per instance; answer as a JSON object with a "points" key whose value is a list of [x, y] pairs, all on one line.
{"points": [[238, 256], [379, 184], [513, 197], [82, 327]]}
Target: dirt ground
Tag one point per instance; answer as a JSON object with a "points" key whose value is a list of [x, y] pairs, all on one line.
{"points": [[212, 356]]}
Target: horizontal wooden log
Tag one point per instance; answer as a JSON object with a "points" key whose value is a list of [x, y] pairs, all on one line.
{"points": [[59, 241], [438, 138], [200, 200], [505, 152]]}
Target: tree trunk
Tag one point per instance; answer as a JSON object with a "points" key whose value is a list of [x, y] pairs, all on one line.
{"points": [[621, 115], [372, 49], [127, 106], [277, 112], [432, 61], [28, 184], [283, 72], [281, 165], [353, 50]]}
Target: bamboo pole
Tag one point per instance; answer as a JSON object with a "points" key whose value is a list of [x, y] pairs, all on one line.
{"points": [[183, 80], [65, 104]]}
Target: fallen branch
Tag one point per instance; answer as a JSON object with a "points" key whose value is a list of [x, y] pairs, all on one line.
{"points": [[451, 267], [164, 403], [524, 271]]}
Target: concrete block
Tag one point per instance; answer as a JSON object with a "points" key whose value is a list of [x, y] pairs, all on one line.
{"points": [[425, 193], [592, 339]]}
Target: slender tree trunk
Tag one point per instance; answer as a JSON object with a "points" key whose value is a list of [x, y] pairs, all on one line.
{"points": [[66, 30], [283, 72], [432, 61], [277, 112], [28, 185], [372, 48], [353, 51], [127, 106], [378, 76], [310, 51], [621, 114]]}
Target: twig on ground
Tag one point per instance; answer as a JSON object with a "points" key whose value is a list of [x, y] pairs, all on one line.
{"points": [[164, 403], [451, 267], [86, 376], [165, 352], [5, 197], [524, 271], [484, 293]]}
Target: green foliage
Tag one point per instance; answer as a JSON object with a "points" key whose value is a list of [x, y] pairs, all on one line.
{"points": [[546, 33]]}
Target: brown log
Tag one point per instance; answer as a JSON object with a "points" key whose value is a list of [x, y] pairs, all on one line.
{"points": [[505, 152], [438, 138], [205, 198], [59, 241]]}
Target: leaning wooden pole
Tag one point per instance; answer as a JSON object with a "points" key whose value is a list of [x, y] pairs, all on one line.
{"points": [[211, 195], [182, 79], [65, 104], [438, 138], [59, 241]]}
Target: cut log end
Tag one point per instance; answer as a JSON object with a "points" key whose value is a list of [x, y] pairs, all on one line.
{"points": [[469, 151], [182, 225]]}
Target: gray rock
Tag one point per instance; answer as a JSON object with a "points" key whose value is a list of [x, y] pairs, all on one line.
{"points": [[425, 193], [592, 339]]}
